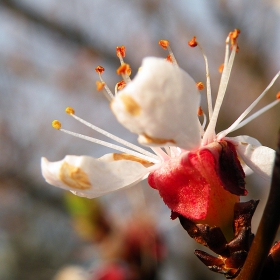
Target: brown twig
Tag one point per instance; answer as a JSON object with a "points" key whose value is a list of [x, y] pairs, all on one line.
{"points": [[267, 229]]}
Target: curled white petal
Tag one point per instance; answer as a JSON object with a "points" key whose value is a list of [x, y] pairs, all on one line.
{"points": [[160, 105], [247, 170], [89, 177], [259, 158], [245, 139]]}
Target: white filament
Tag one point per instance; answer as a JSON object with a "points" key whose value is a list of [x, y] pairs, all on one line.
{"points": [[117, 139], [160, 153], [109, 95], [110, 145], [248, 110], [258, 113], [174, 61], [210, 131], [208, 84]]}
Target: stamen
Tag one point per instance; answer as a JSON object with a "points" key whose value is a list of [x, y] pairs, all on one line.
{"points": [[120, 50], [208, 84], [175, 151], [167, 150], [69, 111], [112, 146], [200, 85], [200, 111], [109, 135], [249, 109], [100, 85], [252, 117], [226, 70], [201, 131], [226, 59], [160, 153], [233, 36], [165, 45], [56, 124], [210, 131], [108, 94], [125, 71], [202, 126], [99, 69], [169, 58], [193, 43], [120, 85], [204, 121]]}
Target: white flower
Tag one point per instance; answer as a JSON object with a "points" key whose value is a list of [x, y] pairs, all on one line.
{"points": [[160, 105]]}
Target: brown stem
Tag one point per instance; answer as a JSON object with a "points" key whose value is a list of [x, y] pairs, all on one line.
{"points": [[267, 229]]}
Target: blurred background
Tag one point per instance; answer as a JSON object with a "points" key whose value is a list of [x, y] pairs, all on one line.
{"points": [[48, 52]]}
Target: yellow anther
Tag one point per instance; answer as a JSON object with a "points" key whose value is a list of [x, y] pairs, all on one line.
{"points": [[200, 85], [70, 111], [56, 124]]}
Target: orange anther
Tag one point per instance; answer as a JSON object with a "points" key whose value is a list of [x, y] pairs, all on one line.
{"points": [[235, 33], [200, 85], [221, 68], [99, 69], [278, 95], [193, 43], [169, 58], [124, 69], [233, 36], [163, 43], [100, 85], [121, 85], [200, 111], [120, 50]]}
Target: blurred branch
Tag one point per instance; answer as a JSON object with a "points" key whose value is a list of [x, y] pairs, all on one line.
{"points": [[67, 33], [32, 189], [267, 229]]}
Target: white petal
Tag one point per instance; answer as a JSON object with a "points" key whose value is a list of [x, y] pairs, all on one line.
{"points": [[160, 105], [90, 177], [259, 158], [245, 139], [247, 170]]}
